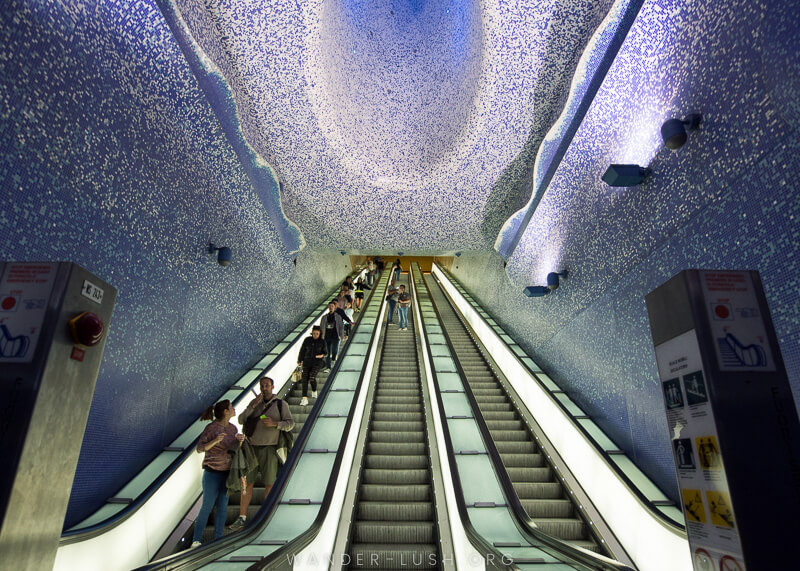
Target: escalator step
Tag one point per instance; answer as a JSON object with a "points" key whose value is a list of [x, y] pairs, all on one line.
{"points": [[401, 448], [548, 508], [393, 511], [395, 477], [397, 462], [398, 556], [395, 532]]}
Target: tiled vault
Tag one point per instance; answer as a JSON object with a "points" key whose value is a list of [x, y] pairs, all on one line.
{"points": [[395, 121]]}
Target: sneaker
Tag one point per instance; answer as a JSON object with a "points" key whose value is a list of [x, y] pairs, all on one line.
{"points": [[195, 544], [238, 524], [326, 370], [304, 401], [313, 394]]}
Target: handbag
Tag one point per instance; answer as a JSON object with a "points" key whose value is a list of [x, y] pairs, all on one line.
{"points": [[285, 438], [297, 374]]}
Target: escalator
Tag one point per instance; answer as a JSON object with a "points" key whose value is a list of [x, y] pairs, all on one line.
{"points": [[546, 502], [394, 518]]}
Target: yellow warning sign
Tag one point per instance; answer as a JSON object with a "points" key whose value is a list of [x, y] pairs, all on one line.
{"points": [[719, 504], [693, 505], [708, 452]]}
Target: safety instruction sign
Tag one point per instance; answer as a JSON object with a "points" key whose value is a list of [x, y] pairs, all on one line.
{"points": [[25, 289], [740, 336], [710, 520]]}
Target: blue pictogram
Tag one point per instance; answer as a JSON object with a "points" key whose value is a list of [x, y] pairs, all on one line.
{"points": [[733, 353], [12, 347]]}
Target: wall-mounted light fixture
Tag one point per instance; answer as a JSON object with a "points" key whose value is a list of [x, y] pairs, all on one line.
{"points": [[673, 131], [625, 175], [224, 254], [399, 253], [553, 281], [458, 254], [342, 252]]}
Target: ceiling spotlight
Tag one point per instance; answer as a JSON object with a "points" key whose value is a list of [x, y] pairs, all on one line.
{"points": [[224, 254], [552, 284], [536, 291], [553, 279], [673, 131], [625, 175]]}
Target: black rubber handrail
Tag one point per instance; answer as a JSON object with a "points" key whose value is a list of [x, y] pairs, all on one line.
{"points": [[526, 525], [82, 534], [497, 561], [630, 484], [191, 558], [302, 540]]}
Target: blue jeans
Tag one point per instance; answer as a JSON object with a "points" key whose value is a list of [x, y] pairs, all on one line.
{"points": [[402, 315], [214, 492], [332, 343], [397, 276], [392, 303]]}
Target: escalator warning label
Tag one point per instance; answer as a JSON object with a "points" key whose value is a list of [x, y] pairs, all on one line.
{"points": [[693, 505]]}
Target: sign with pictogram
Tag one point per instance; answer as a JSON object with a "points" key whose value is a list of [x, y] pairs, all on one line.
{"points": [[24, 290]]}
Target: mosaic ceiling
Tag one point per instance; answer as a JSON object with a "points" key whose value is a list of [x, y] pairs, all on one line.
{"points": [[408, 123]]}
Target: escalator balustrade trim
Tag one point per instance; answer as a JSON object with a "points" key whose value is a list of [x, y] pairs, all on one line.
{"points": [[537, 484]]}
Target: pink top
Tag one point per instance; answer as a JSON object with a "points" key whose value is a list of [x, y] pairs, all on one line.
{"points": [[217, 458]]}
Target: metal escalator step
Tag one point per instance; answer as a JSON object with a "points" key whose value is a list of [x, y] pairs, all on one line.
{"points": [[563, 528], [388, 436], [515, 447], [400, 400], [480, 393], [395, 407], [493, 399], [499, 415], [495, 406], [383, 391], [561, 508], [395, 477], [506, 435], [395, 511], [403, 493], [397, 416], [505, 425], [542, 474], [538, 490], [397, 461], [522, 460], [395, 532], [400, 448], [391, 557], [410, 426]]}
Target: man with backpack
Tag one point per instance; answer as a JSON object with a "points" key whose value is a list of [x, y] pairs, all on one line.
{"points": [[262, 421]]}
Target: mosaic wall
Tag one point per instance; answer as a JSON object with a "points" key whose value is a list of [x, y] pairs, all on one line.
{"points": [[728, 199], [111, 157], [404, 116]]}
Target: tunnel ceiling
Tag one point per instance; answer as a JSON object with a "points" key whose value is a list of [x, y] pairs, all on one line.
{"points": [[395, 122]]}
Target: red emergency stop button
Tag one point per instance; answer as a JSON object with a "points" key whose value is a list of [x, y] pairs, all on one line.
{"points": [[86, 328]]}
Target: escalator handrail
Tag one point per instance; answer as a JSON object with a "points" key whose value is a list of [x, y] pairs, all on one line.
{"points": [[484, 547], [302, 540], [81, 534], [663, 518], [229, 543], [525, 523]]}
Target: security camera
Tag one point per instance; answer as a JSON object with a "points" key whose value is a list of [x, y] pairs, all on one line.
{"points": [[224, 254]]}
